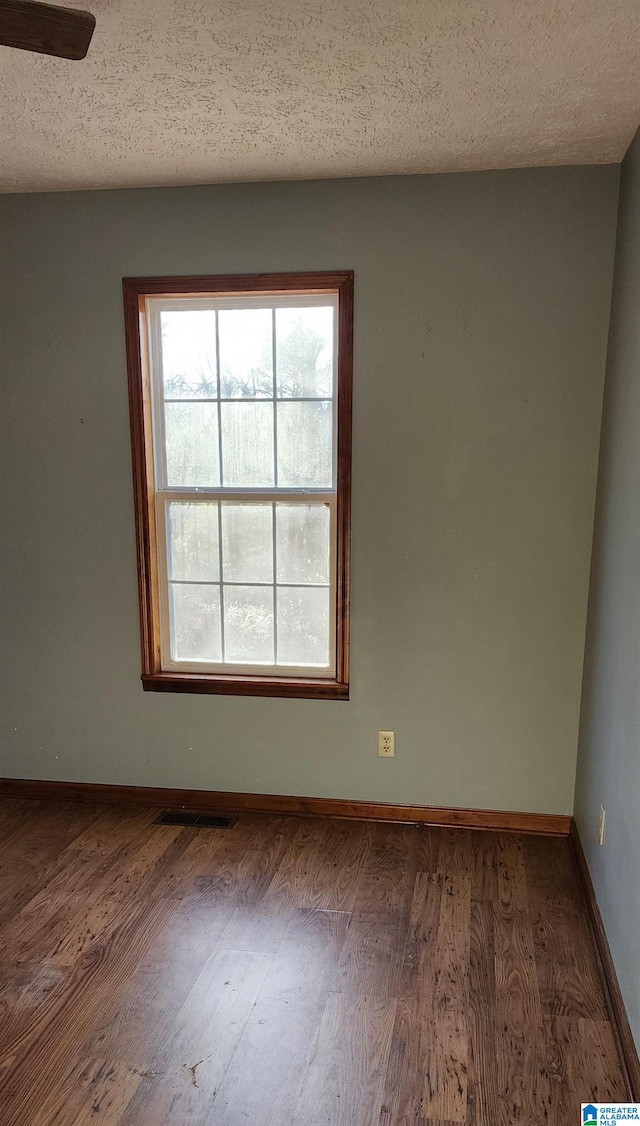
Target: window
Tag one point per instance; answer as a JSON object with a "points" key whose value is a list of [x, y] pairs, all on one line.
{"points": [[240, 401]]}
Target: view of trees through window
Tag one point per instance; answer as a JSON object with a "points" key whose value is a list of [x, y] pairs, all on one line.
{"points": [[247, 417]]}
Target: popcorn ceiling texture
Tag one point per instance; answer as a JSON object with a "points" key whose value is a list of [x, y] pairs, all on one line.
{"points": [[194, 91]]}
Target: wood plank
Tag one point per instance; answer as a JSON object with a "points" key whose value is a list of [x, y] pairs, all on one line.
{"points": [[520, 1045], [579, 1065], [24, 990], [297, 867], [34, 1060], [484, 866], [49, 829], [427, 848], [386, 880], [371, 962], [321, 868], [513, 887], [589, 1060], [550, 870], [482, 1092], [372, 958], [567, 971], [339, 868], [424, 920], [402, 1100], [344, 1079], [213, 870], [120, 884], [264, 1079], [310, 866], [70, 886], [427, 1075], [437, 950], [454, 854], [196, 868], [92, 1091], [139, 1016], [114, 827], [15, 816], [430, 1052], [30, 859], [258, 831], [192, 1060], [69, 882], [519, 1038], [446, 1067], [451, 992]]}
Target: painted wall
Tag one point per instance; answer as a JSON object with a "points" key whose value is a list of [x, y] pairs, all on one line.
{"points": [[482, 306], [609, 758]]}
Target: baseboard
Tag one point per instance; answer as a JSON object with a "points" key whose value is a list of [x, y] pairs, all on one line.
{"points": [[626, 1045], [549, 824]]}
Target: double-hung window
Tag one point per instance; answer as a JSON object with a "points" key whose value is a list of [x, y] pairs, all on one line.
{"points": [[240, 399]]}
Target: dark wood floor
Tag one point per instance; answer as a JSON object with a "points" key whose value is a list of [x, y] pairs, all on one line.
{"points": [[292, 972]]}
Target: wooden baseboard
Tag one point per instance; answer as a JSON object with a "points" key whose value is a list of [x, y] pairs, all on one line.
{"points": [[626, 1045], [549, 824]]}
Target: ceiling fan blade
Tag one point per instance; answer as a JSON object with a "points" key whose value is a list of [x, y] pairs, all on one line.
{"points": [[31, 26]]}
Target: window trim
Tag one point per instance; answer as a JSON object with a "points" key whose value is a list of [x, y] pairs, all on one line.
{"points": [[136, 291]]}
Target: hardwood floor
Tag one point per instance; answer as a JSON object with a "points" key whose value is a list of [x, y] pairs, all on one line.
{"points": [[292, 972]]}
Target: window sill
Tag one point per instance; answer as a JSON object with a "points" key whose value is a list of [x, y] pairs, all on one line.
{"points": [[288, 687]]}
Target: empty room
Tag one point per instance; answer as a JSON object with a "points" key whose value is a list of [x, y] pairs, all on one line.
{"points": [[320, 563]]}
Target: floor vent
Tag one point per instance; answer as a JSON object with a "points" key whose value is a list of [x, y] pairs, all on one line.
{"points": [[195, 820]]}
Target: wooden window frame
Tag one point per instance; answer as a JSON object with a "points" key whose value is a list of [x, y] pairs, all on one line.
{"points": [[136, 291]]}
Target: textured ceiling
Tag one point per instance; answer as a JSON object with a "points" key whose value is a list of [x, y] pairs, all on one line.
{"points": [[198, 91]]}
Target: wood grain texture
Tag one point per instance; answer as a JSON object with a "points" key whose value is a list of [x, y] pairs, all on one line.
{"points": [[92, 1091], [289, 687], [32, 1062], [46, 28], [347, 1062], [618, 1012], [264, 1081], [136, 291], [200, 1043], [292, 971], [482, 1079], [212, 801]]}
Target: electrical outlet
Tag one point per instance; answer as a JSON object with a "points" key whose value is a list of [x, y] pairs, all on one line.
{"points": [[602, 824], [387, 744]]}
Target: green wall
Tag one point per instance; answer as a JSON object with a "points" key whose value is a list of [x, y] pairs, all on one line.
{"points": [[482, 305], [609, 759]]}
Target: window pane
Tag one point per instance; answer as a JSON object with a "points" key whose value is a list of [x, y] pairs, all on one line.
{"points": [[193, 542], [191, 432], [195, 615], [248, 624], [304, 352], [302, 542], [247, 444], [189, 354], [246, 357], [303, 626], [304, 444], [247, 543]]}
